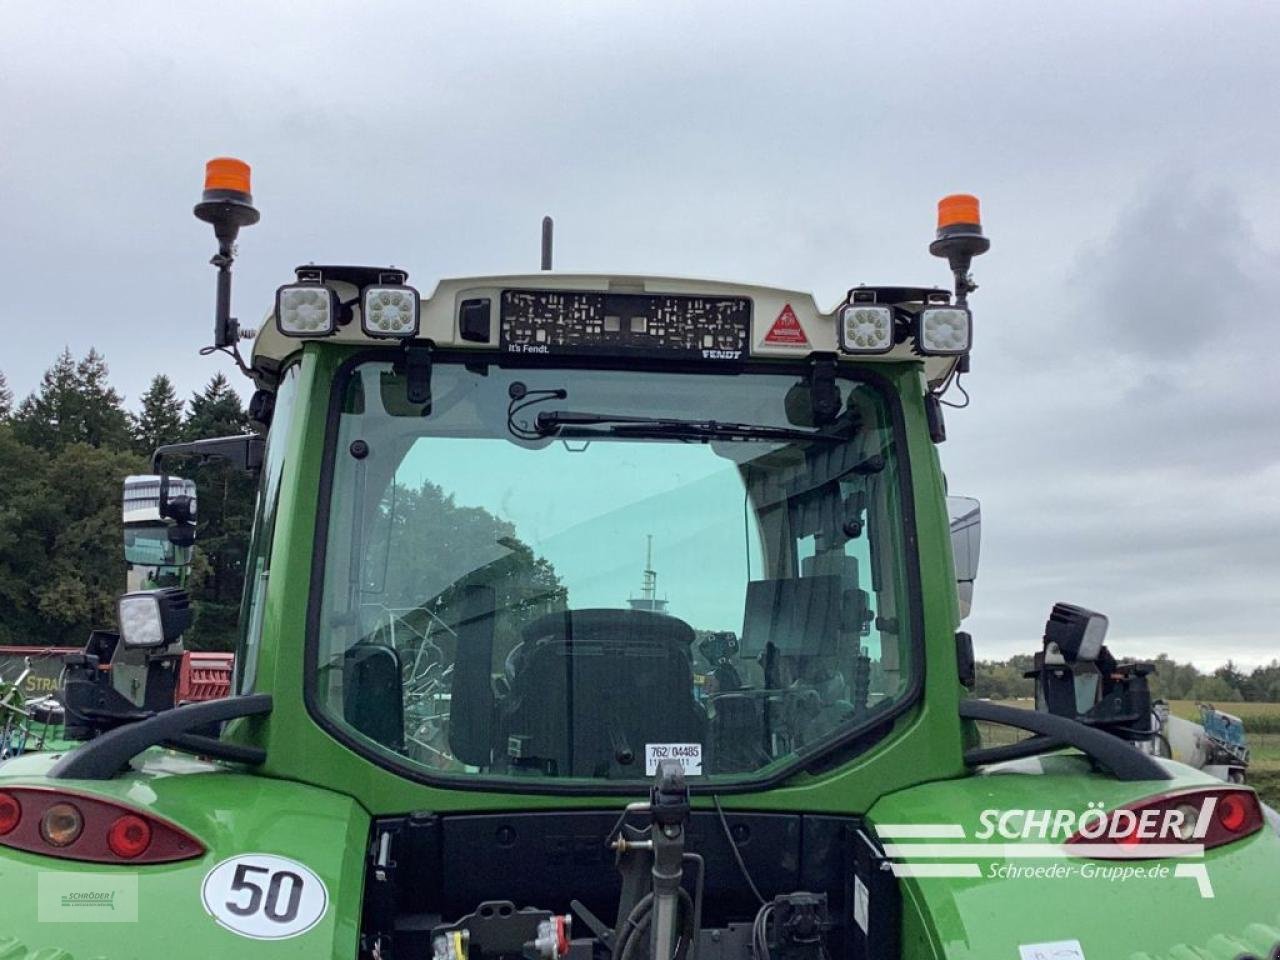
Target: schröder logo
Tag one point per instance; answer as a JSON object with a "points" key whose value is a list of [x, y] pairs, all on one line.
{"points": [[86, 897], [1174, 824], [1165, 828]]}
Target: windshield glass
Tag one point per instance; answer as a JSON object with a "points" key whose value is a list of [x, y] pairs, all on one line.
{"points": [[575, 573]]}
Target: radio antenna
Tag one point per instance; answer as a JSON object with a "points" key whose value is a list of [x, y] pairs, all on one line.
{"points": [[547, 229]]}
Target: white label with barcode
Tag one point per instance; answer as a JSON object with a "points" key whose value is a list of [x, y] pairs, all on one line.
{"points": [[688, 754]]}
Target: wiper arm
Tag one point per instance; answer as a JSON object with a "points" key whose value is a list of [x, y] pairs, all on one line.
{"points": [[554, 423]]}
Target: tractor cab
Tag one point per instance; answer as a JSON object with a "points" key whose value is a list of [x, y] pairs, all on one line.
{"points": [[603, 617]]}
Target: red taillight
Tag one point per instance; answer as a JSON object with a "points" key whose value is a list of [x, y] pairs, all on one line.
{"points": [[10, 813], [129, 836], [1158, 827], [81, 827], [1233, 811]]}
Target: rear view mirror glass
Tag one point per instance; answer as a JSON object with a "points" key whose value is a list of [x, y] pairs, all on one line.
{"points": [[965, 516]]}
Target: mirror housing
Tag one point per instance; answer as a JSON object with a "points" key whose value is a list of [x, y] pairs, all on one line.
{"points": [[965, 516], [158, 513], [150, 619], [243, 451]]}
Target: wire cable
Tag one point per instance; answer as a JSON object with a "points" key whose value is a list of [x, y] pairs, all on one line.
{"points": [[963, 392], [760, 932], [520, 401], [737, 854]]}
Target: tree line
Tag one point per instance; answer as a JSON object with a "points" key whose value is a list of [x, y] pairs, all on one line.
{"points": [[1005, 680], [64, 453]]}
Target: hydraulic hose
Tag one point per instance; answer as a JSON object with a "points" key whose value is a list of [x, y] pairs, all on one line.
{"points": [[635, 929]]}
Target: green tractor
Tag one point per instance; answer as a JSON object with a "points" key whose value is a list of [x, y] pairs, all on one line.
{"points": [[613, 618]]}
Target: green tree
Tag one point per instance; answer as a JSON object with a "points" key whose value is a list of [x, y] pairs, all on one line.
{"points": [[1233, 678], [74, 404], [42, 420], [1214, 689], [6, 398], [216, 411], [103, 420], [61, 568], [1263, 684], [159, 420]]}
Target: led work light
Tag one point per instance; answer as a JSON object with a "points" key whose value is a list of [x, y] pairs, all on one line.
{"points": [[1076, 632], [154, 618], [944, 331], [306, 310], [866, 328], [390, 311]]}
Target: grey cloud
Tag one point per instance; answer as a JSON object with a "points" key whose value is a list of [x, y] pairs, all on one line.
{"points": [[1182, 272]]}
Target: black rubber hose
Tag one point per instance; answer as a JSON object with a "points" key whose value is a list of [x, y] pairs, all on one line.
{"points": [[635, 919], [636, 927]]}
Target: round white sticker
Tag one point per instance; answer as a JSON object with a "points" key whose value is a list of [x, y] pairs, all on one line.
{"points": [[263, 896]]}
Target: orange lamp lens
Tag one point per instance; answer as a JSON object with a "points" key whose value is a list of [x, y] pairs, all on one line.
{"points": [[227, 173], [61, 824], [958, 208]]}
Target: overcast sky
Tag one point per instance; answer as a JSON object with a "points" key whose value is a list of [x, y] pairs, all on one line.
{"points": [[1123, 436]]}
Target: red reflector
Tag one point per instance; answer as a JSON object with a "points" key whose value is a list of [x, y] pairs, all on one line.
{"points": [[1233, 812], [1159, 826], [129, 836], [10, 813]]}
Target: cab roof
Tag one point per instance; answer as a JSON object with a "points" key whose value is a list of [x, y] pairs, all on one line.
{"points": [[785, 324]]}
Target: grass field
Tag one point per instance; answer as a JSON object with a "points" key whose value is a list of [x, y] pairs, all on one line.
{"points": [[1261, 725]]}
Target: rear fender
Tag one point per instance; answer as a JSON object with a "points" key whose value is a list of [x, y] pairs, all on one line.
{"points": [[1224, 908], [252, 828]]}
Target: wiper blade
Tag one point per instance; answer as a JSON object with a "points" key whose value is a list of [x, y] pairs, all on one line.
{"points": [[562, 423]]}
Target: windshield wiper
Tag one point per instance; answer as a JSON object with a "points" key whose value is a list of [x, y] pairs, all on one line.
{"points": [[562, 423]]}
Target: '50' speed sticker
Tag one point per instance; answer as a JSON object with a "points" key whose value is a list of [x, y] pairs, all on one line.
{"points": [[263, 896]]}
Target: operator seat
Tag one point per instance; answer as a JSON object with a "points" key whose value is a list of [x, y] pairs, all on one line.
{"points": [[372, 694], [590, 688]]}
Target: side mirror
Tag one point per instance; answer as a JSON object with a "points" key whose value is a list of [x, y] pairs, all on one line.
{"points": [[965, 515], [154, 618], [159, 514]]}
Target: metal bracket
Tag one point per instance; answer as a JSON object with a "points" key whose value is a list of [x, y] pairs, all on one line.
{"points": [[417, 372], [824, 395]]}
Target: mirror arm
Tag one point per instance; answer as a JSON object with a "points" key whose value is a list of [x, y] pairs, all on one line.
{"points": [[244, 451], [105, 756], [1125, 761]]}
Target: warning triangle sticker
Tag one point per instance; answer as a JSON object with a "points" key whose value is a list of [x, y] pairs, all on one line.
{"points": [[787, 329]]}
